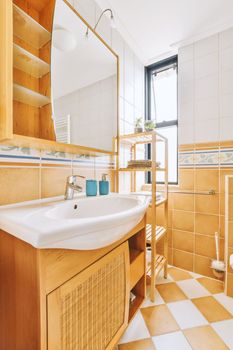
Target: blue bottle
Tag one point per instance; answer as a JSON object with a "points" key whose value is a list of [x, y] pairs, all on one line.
{"points": [[104, 185], [91, 187]]}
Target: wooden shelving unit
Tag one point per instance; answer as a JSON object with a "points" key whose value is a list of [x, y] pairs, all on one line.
{"points": [[28, 29], [154, 233], [29, 63], [137, 251], [29, 97], [32, 28]]}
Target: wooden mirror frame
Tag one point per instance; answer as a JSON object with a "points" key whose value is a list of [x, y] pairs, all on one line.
{"points": [[7, 135]]}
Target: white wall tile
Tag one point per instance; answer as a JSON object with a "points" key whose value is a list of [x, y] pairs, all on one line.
{"points": [[226, 82], [186, 71], [206, 65], [207, 109], [186, 93], [226, 105], [186, 114], [226, 38], [206, 46], [207, 130], [186, 53], [226, 128], [226, 59], [207, 87], [186, 134]]}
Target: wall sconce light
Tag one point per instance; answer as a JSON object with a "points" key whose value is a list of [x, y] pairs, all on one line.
{"points": [[113, 24]]}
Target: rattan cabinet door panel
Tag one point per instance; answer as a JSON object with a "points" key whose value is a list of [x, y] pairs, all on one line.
{"points": [[90, 311]]}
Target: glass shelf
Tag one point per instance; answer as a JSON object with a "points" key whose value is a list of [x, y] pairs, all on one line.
{"points": [[29, 63], [29, 30], [29, 97]]}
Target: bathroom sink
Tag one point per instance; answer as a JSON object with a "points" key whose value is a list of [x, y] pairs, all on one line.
{"points": [[92, 207], [82, 223]]}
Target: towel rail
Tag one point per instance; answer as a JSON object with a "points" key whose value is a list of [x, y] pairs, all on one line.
{"points": [[205, 193]]}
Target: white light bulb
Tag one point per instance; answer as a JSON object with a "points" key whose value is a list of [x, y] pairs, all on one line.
{"points": [[64, 40]]}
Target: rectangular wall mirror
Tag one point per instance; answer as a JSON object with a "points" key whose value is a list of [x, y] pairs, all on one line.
{"points": [[84, 83]]}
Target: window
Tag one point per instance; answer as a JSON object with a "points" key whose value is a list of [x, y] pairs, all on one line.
{"points": [[162, 108]]}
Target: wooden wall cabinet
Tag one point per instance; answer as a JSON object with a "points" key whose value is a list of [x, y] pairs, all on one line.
{"points": [[56, 299], [25, 98], [25, 79]]}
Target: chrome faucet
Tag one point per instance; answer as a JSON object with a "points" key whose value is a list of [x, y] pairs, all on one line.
{"points": [[72, 186]]}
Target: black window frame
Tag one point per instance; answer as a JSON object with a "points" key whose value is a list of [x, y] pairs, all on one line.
{"points": [[158, 66]]}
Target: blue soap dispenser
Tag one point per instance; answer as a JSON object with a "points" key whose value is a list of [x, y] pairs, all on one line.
{"points": [[104, 185]]}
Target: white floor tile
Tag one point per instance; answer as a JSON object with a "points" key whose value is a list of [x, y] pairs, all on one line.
{"points": [[158, 299], [225, 330], [195, 275], [136, 330], [186, 314], [193, 289], [226, 301], [175, 341]]}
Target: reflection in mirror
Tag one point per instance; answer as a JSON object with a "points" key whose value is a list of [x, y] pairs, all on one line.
{"points": [[84, 83]]}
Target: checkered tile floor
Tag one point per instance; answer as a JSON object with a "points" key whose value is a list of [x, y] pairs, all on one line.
{"points": [[190, 312]]}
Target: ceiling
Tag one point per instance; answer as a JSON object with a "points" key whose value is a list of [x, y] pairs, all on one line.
{"points": [[151, 27]]}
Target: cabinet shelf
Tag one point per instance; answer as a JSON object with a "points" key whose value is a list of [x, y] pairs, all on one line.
{"points": [[29, 63], [140, 169], [160, 261], [29, 30], [160, 232], [29, 97], [134, 307], [141, 138], [137, 264]]}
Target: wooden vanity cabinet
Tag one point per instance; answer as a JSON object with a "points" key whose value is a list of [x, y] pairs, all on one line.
{"points": [[57, 299]]}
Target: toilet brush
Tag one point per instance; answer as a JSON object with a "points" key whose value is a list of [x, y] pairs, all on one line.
{"points": [[217, 265]]}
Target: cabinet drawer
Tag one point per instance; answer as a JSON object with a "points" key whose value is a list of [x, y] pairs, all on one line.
{"points": [[137, 269]]}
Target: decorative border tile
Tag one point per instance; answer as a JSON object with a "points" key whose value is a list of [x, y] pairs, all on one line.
{"points": [[14, 154], [226, 157], [206, 158]]}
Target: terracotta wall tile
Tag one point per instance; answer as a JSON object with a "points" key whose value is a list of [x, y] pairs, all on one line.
{"points": [[223, 173], [202, 266], [183, 240], [206, 224], [230, 285], [230, 233], [19, 184], [53, 181], [205, 246], [183, 220], [222, 226], [170, 256], [184, 202], [183, 259], [186, 179], [207, 204], [230, 252], [207, 179], [170, 237]]}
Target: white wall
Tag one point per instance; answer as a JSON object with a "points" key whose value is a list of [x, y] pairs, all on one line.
{"points": [[206, 89]]}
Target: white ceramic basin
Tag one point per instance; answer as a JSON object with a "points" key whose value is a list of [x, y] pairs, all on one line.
{"points": [[83, 223]]}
